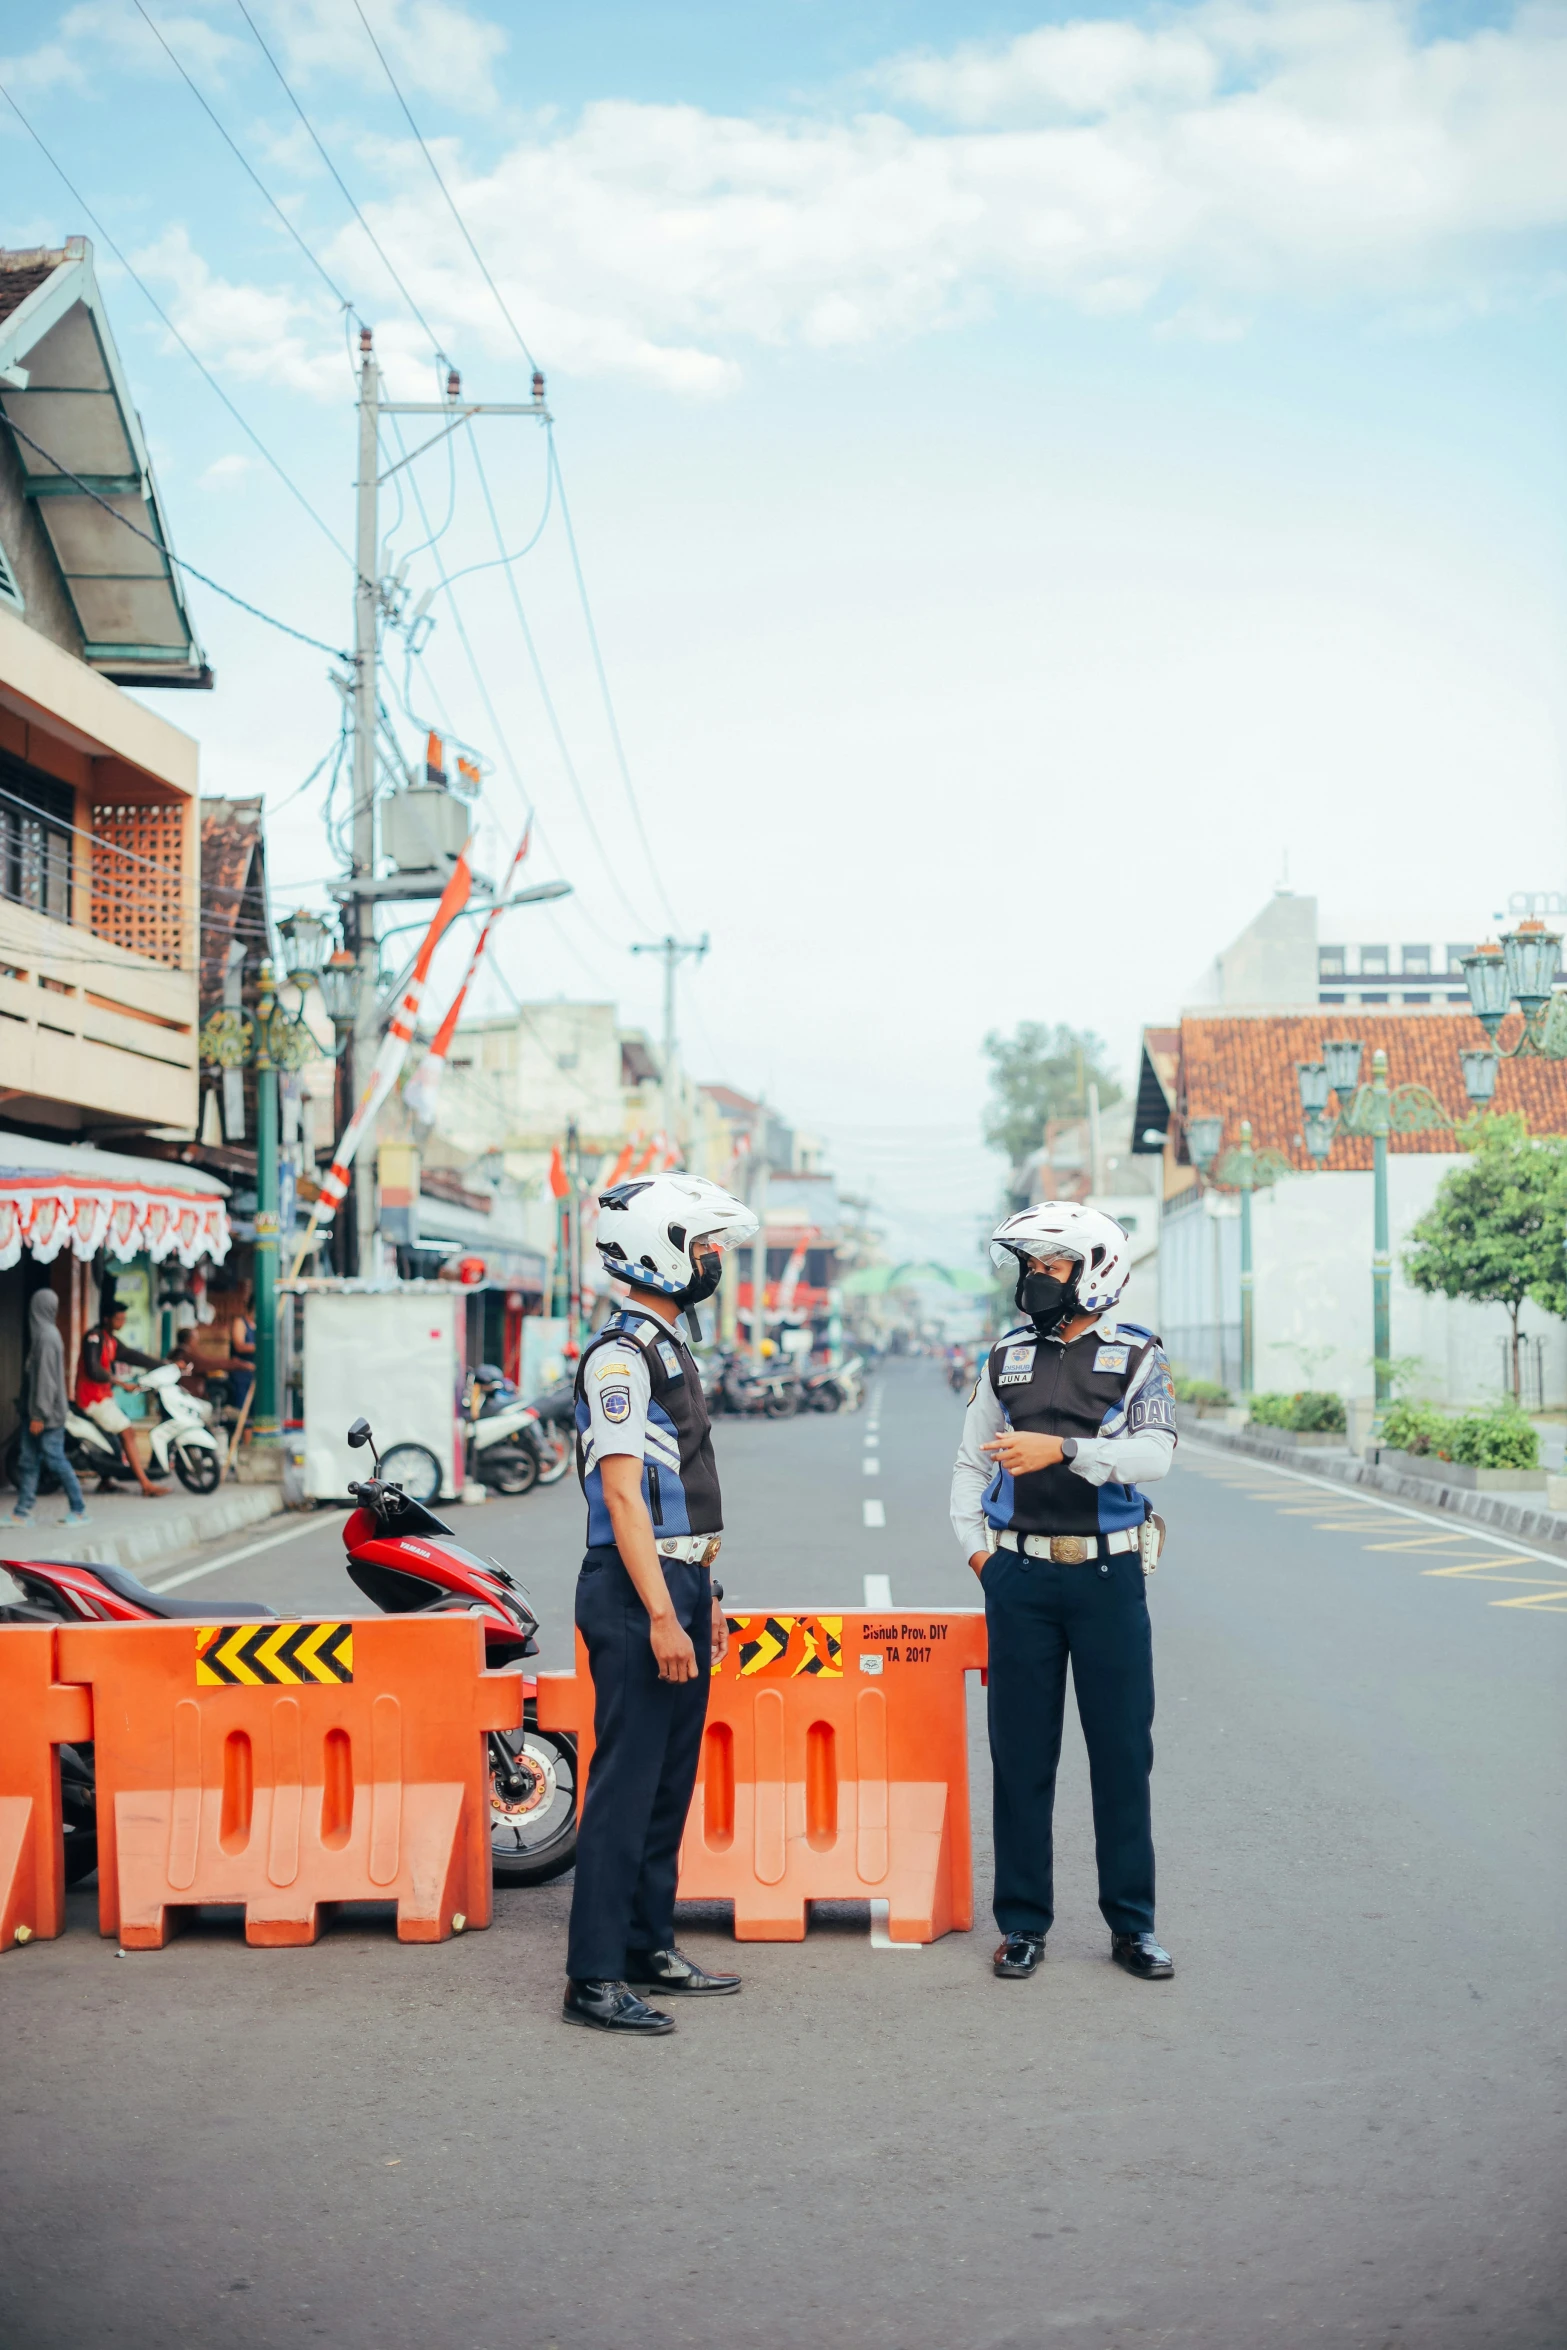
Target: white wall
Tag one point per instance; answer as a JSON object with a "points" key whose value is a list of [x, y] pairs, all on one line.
{"points": [[1312, 1252]]}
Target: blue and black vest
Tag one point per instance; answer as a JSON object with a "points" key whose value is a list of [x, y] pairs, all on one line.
{"points": [[1113, 1381], [679, 1474]]}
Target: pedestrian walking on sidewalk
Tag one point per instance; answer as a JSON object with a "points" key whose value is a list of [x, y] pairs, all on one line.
{"points": [[43, 1413], [647, 1607], [1070, 1415]]}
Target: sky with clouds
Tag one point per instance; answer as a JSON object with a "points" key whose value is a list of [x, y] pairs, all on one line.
{"points": [[1040, 476]]}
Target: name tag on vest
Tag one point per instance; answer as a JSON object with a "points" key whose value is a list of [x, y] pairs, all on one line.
{"points": [[1017, 1367], [1112, 1358]]}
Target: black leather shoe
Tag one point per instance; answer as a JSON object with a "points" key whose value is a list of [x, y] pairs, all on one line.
{"points": [[1018, 1956], [1141, 1955], [610, 2007], [666, 1970]]}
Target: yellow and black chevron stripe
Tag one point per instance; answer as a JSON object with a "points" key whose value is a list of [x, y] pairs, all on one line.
{"points": [[258, 1656]]}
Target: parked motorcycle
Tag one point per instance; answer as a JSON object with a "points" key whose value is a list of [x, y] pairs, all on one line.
{"points": [[513, 1445], [182, 1439], [407, 1563], [841, 1390], [752, 1393]]}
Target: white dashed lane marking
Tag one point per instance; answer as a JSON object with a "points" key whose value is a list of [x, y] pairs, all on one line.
{"points": [[875, 1514], [878, 1591]]}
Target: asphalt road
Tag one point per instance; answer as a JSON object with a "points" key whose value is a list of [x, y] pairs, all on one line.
{"points": [[1339, 2125]]}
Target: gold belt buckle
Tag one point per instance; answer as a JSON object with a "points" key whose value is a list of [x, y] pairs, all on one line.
{"points": [[715, 1543], [1068, 1550]]}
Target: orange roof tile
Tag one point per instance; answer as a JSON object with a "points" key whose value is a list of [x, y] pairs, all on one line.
{"points": [[1234, 1065]]}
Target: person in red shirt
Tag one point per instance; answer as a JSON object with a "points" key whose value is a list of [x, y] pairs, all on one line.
{"points": [[102, 1348]]}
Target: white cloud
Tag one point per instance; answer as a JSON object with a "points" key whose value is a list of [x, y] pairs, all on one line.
{"points": [[253, 332], [99, 32], [1241, 153], [434, 47], [224, 472], [1193, 168]]}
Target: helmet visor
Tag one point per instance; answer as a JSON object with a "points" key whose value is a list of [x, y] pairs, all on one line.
{"points": [[1011, 1257]]}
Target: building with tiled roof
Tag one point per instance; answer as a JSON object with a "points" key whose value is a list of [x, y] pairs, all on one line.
{"points": [[1312, 1228]]}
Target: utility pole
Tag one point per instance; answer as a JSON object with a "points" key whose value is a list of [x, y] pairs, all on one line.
{"points": [[373, 599], [759, 1245], [674, 951]]}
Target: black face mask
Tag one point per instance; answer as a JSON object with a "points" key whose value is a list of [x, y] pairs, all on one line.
{"points": [[1046, 1301], [705, 1277]]}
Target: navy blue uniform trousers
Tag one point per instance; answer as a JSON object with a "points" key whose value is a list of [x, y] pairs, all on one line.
{"points": [[1038, 1615], [647, 1744]]}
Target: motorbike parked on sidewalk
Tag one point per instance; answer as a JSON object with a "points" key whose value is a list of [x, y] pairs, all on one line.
{"points": [[181, 1438], [406, 1562], [513, 1445]]}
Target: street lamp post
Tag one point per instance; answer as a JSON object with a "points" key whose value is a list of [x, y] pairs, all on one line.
{"points": [[1203, 1137], [1373, 1112], [1521, 970], [1245, 1177], [273, 1040]]}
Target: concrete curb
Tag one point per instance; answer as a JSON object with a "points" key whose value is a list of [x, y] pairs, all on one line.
{"points": [[161, 1539], [1529, 1522]]}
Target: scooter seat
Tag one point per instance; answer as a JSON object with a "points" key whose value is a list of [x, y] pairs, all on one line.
{"points": [[156, 1603]]}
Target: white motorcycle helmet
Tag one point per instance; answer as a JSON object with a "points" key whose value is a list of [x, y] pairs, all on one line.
{"points": [[646, 1228], [1060, 1228]]}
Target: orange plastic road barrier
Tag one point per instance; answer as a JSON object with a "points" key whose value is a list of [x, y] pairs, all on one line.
{"points": [[37, 1714], [834, 1768], [286, 1765]]}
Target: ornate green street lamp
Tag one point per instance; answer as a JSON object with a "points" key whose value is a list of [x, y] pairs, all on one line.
{"points": [[1242, 1170], [274, 1039], [1372, 1111], [1521, 970]]}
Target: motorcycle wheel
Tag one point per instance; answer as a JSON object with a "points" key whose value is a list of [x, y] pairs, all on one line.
{"points": [[555, 1457], [534, 1837], [415, 1468], [199, 1468], [780, 1407], [511, 1468]]}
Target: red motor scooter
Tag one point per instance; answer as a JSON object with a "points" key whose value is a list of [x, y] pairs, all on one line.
{"points": [[407, 1563]]}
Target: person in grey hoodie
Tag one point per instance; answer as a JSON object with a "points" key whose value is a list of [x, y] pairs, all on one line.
{"points": [[43, 1412]]}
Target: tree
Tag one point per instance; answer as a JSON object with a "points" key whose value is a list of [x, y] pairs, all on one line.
{"points": [[1496, 1230], [1038, 1073]]}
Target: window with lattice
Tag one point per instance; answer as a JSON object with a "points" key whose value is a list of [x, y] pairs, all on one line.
{"points": [[138, 882]]}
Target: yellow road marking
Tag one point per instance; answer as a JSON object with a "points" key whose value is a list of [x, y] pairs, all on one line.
{"points": [[1419, 1541], [1484, 1567], [1552, 1605]]}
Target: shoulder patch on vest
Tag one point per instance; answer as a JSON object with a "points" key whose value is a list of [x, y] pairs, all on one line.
{"points": [[668, 1357], [1112, 1358]]}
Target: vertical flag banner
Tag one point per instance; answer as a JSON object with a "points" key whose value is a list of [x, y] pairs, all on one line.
{"points": [[422, 1092], [389, 1060]]}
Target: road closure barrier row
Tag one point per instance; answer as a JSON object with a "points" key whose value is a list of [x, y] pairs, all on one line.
{"points": [[279, 1768], [834, 1768], [37, 1716]]}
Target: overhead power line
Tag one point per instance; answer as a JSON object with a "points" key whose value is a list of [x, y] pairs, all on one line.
{"points": [[300, 635], [151, 298], [245, 165], [342, 185], [445, 190]]}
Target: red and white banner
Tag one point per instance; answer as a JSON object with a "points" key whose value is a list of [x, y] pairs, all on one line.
{"points": [[422, 1092], [390, 1059]]}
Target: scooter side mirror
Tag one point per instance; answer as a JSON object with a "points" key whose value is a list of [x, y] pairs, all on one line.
{"points": [[359, 1434]]}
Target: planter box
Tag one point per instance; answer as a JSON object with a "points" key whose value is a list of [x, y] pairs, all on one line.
{"points": [[1459, 1473], [1308, 1439]]}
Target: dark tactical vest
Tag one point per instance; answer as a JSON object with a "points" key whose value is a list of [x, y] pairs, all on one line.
{"points": [[679, 1474], [1113, 1381]]}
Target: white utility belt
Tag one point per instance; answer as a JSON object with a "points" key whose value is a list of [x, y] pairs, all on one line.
{"points": [[1066, 1550], [695, 1550]]}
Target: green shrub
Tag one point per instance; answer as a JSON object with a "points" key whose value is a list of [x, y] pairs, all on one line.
{"points": [[1314, 1411], [1271, 1411], [1501, 1439], [1199, 1390], [1415, 1427], [1310, 1411]]}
